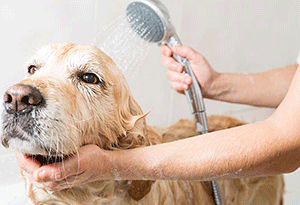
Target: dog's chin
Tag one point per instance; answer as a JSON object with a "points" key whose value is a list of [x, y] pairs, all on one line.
{"points": [[35, 152], [25, 146], [47, 159]]}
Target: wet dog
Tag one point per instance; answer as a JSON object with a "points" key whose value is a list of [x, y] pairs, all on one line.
{"points": [[75, 95]]}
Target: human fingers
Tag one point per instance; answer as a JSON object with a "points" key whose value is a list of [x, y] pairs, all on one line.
{"points": [[86, 160], [166, 50], [49, 186], [186, 52], [179, 77], [61, 184], [30, 178], [26, 163], [179, 81], [86, 166], [58, 171], [171, 64], [168, 61], [178, 87]]}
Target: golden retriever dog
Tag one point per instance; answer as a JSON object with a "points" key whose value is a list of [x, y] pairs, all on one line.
{"points": [[75, 95]]}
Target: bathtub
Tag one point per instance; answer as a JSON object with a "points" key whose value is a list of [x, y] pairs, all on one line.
{"points": [[12, 186]]}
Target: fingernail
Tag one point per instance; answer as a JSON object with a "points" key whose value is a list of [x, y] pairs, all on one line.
{"points": [[168, 52], [41, 176], [188, 79]]}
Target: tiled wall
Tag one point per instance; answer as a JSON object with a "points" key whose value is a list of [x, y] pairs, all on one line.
{"points": [[234, 35]]}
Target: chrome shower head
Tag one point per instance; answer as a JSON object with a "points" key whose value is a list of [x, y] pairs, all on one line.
{"points": [[150, 19]]}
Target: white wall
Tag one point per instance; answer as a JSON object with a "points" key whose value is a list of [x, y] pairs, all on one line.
{"points": [[234, 35]]}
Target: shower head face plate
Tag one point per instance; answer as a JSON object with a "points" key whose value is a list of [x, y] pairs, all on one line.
{"points": [[149, 19]]}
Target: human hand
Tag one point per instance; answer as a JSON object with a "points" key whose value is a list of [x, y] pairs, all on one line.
{"points": [[89, 164], [201, 68]]}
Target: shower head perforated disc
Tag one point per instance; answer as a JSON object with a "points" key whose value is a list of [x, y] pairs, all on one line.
{"points": [[149, 19]]}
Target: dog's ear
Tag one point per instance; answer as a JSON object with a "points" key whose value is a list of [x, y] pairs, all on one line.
{"points": [[128, 129], [138, 189], [135, 134], [134, 122], [132, 119]]}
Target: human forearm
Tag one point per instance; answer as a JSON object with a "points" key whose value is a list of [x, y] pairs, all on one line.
{"points": [[265, 89], [250, 150], [264, 148]]}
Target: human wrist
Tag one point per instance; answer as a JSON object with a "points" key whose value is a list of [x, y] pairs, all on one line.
{"points": [[130, 165], [105, 164], [119, 165], [218, 87]]}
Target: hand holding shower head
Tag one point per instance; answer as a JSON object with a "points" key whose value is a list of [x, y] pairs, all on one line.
{"points": [[150, 19]]}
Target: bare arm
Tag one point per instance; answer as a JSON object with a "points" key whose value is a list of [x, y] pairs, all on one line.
{"points": [[250, 150], [261, 89], [265, 148], [265, 89]]}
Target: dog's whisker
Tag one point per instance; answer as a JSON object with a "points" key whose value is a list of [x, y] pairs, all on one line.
{"points": [[78, 167], [73, 126], [86, 119]]}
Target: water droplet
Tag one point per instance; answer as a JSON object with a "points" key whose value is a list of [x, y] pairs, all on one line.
{"points": [[123, 44]]}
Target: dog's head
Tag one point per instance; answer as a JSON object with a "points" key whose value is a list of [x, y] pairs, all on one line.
{"points": [[72, 95]]}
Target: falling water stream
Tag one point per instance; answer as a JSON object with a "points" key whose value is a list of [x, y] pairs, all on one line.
{"points": [[120, 41]]}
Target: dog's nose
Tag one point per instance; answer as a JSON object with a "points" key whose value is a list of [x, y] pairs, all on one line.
{"points": [[21, 98]]}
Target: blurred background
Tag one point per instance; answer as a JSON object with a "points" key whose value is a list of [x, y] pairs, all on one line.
{"points": [[244, 36]]}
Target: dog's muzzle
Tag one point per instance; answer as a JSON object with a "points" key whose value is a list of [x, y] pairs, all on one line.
{"points": [[21, 98], [19, 102]]}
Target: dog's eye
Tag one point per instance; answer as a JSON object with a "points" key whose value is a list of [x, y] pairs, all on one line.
{"points": [[90, 78], [32, 69]]}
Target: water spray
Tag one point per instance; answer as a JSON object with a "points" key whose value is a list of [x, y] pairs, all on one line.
{"points": [[151, 21]]}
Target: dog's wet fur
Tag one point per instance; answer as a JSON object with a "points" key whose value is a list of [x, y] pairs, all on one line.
{"points": [[75, 95]]}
